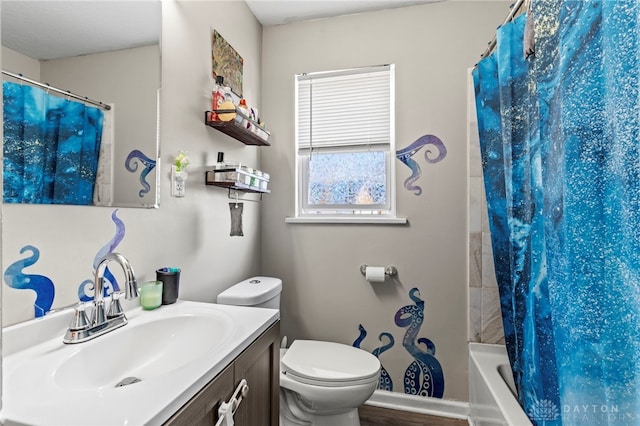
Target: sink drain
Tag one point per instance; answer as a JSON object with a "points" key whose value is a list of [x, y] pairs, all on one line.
{"points": [[127, 381]]}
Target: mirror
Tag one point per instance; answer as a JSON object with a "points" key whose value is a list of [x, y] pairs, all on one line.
{"points": [[107, 51]]}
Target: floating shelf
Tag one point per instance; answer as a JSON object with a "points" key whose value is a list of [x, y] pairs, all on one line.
{"points": [[236, 186], [236, 130], [240, 187]]}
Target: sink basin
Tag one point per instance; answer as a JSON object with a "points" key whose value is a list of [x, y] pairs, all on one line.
{"points": [[143, 351], [138, 374]]}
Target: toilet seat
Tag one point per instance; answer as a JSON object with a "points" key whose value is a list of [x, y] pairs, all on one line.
{"points": [[329, 364]]}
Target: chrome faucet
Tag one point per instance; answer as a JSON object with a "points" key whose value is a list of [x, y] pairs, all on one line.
{"points": [[82, 330], [131, 290]]}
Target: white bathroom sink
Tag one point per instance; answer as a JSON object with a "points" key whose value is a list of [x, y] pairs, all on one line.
{"points": [[143, 350], [135, 375]]}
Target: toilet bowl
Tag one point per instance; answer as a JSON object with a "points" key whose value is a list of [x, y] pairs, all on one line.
{"points": [[321, 383]]}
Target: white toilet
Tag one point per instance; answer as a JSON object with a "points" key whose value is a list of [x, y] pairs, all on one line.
{"points": [[321, 383]]}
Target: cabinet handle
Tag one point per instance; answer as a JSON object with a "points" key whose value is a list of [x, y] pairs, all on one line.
{"points": [[228, 409]]}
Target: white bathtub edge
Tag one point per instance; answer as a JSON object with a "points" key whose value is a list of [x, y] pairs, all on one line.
{"points": [[418, 404], [484, 360]]}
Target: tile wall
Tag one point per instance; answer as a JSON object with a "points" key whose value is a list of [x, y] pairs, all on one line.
{"points": [[485, 322]]}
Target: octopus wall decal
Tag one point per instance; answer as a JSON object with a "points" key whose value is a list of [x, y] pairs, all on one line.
{"points": [[86, 288], [43, 286], [405, 155], [135, 158], [385, 382], [424, 376]]}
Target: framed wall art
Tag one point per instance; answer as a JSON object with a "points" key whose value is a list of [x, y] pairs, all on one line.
{"points": [[226, 62]]}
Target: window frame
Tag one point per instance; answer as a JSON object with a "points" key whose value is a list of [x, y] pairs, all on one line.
{"points": [[352, 213]]}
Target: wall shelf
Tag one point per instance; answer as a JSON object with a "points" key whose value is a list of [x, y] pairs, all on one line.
{"points": [[239, 187], [232, 186], [237, 130]]}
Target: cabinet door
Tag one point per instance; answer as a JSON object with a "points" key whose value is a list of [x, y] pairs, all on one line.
{"points": [[259, 364], [202, 409]]}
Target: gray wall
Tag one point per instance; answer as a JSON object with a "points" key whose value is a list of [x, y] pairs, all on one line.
{"points": [[325, 296], [192, 232]]}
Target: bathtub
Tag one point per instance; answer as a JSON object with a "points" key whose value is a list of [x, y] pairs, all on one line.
{"points": [[492, 397]]}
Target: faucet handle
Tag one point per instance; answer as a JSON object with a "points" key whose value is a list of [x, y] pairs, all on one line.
{"points": [[79, 320], [115, 308]]}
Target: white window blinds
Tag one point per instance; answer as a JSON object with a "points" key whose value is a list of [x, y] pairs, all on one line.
{"points": [[345, 108]]}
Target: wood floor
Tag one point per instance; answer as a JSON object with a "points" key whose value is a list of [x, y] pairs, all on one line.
{"points": [[376, 416]]}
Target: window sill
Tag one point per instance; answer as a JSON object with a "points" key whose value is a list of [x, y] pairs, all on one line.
{"points": [[350, 219]]}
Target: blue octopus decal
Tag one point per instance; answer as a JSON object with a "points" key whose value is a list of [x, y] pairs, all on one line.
{"points": [[85, 291], [43, 286], [385, 382], [405, 155], [424, 375], [131, 164]]}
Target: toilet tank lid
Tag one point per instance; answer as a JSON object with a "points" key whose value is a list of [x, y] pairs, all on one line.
{"points": [[252, 291]]}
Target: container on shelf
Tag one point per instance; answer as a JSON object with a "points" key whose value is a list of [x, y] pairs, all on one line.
{"points": [[241, 177]]}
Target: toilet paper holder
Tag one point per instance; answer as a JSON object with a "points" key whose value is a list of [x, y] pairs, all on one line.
{"points": [[389, 271]]}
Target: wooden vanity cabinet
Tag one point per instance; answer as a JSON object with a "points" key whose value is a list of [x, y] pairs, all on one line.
{"points": [[259, 364], [202, 409]]}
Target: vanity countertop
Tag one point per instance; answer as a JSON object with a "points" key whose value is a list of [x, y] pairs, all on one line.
{"points": [[174, 350]]}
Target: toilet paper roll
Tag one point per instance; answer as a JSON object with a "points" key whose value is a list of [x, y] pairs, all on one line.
{"points": [[374, 274]]}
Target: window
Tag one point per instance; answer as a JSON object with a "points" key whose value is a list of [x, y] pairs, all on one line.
{"points": [[345, 145]]}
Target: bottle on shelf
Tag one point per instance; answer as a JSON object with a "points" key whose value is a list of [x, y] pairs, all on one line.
{"points": [[244, 109], [228, 97], [217, 97], [218, 177]]}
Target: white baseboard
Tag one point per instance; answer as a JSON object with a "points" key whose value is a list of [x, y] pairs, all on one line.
{"points": [[419, 404]]}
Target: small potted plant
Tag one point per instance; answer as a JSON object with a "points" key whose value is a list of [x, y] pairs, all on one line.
{"points": [[179, 175]]}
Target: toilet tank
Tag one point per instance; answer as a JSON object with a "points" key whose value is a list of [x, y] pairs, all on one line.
{"points": [[260, 292]]}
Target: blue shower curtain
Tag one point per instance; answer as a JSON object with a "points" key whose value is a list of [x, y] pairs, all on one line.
{"points": [[560, 144], [51, 147]]}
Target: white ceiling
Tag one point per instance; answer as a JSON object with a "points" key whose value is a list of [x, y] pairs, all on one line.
{"points": [[49, 29], [276, 12]]}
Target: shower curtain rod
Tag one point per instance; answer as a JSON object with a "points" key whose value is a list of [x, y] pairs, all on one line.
{"points": [[55, 89], [492, 44]]}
